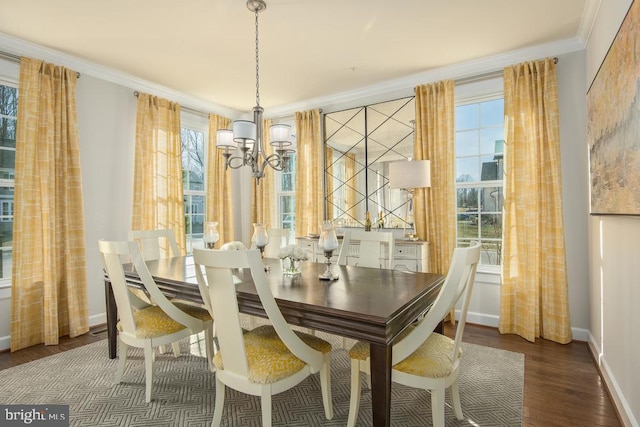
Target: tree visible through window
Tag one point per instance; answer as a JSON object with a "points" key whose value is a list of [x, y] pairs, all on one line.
{"points": [[479, 175], [8, 120], [193, 181], [286, 196]]}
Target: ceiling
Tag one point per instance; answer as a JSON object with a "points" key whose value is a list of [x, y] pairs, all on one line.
{"points": [[205, 49]]}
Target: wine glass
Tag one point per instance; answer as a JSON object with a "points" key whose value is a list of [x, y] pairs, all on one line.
{"points": [[328, 242], [210, 235]]}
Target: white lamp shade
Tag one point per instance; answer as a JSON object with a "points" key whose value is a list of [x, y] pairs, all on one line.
{"points": [[224, 139], [279, 134], [244, 131], [410, 174]]}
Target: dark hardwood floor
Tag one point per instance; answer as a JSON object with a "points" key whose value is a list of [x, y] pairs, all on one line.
{"points": [[562, 386]]}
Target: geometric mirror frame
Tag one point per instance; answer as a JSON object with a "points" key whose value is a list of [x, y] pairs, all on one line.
{"points": [[360, 143]]}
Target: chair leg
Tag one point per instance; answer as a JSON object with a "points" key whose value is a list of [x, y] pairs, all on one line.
{"points": [[455, 398], [217, 411], [122, 356], [354, 401], [209, 350], [149, 365], [325, 386], [265, 402], [176, 348], [437, 407]]}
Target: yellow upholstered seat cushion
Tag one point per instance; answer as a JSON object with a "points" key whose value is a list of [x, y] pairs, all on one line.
{"points": [[432, 359], [152, 322], [268, 358], [194, 311]]}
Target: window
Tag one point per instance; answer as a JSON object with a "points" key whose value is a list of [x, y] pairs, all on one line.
{"points": [[479, 176], [193, 136], [8, 120], [286, 197]]}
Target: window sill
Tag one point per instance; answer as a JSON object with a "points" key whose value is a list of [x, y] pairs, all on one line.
{"points": [[490, 274]]}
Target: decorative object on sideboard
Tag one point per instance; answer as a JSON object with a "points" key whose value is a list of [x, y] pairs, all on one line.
{"points": [[247, 135]]}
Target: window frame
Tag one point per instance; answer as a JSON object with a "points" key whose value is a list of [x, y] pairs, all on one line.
{"points": [[493, 269], [280, 193], [6, 182], [199, 123]]}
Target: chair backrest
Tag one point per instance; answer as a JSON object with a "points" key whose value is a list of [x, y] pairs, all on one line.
{"points": [[458, 284], [369, 254], [213, 272], [113, 253], [156, 244], [278, 238]]}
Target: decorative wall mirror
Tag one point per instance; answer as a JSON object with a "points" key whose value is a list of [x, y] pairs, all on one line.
{"points": [[359, 145]]}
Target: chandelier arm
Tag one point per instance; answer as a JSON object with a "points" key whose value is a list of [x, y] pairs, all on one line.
{"points": [[274, 161]]}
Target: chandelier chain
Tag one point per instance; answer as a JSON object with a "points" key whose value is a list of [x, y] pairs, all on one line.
{"points": [[257, 64]]}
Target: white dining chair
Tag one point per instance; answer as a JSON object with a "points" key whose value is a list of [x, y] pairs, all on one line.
{"points": [[278, 239], [156, 244], [422, 358], [145, 325], [370, 248], [266, 360]]}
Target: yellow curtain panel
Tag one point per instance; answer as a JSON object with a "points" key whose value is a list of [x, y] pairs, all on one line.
{"points": [[534, 293], [219, 186], [158, 199], [434, 207], [262, 195], [49, 283], [309, 173]]}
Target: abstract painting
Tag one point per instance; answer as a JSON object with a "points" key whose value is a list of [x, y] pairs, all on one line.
{"points": [[613, 124]]}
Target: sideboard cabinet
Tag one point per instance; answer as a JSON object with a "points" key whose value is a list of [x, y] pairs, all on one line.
{"points": [[409, 255]]}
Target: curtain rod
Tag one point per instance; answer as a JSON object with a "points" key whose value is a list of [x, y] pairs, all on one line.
{"points": [[487, 75], [182, 107], [15, 58]]}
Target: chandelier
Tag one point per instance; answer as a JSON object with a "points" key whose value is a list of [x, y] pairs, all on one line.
{"points": [[247, 135]]}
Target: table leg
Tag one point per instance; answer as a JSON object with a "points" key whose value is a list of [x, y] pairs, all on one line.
{"points": [[112, 316], [381, 384]]}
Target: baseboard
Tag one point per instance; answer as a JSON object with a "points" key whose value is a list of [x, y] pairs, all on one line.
{"points": [[482, 319], [98, 319], [621, 405]]}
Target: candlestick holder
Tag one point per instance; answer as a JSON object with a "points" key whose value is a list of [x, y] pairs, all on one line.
{"points": [[328, 274], [328, 242]]}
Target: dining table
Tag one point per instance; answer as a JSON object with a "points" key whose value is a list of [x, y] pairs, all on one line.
{"points": [[368, 304]]}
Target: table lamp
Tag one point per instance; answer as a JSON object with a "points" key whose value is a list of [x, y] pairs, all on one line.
{"points": [[408, 175]]}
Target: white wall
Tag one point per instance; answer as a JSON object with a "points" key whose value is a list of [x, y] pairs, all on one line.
{"points": [[106, 120], [614, 268]]}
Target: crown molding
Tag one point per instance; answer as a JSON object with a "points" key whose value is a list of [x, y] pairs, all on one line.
{"points": [[19, 47], [404, 86], [589, 15], [394, 88]]}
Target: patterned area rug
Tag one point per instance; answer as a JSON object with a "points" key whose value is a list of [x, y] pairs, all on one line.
{"points": [[491, 387]]}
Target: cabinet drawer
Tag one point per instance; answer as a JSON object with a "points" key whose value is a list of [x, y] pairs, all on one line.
{"points": [[306, 244], [406, 251], [405, 265]]}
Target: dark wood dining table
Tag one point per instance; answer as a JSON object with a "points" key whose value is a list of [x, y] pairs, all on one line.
{"points": [[368, 304]]}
